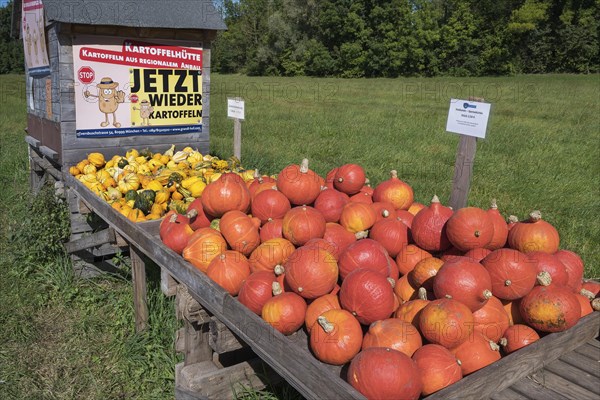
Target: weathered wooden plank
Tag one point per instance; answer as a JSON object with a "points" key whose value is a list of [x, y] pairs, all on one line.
{"points": [[509, 394], [230, 382], [184, 394], [296, 365], [575, 375], [583, 363], [588, 350], [594, 342], [73, 142], [33, 142], [221, 339], [530, 388], [93, 240], [45, 165], [188, 309], [138, 276], [168, 285], [562, 386], [521, 363], [463, 170]]}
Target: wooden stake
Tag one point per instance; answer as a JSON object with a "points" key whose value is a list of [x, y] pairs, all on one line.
{"points": [[463, 170], [138, 276], [237, 138]]}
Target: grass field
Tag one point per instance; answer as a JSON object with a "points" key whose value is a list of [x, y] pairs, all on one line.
{"points": [[65, 339]]}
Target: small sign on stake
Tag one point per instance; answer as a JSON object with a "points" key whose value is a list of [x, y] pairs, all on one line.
{"points": [[236, 110], [469, 119]]}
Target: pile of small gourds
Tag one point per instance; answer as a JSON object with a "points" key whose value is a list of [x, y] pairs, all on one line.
{"points": [[143, 185]]}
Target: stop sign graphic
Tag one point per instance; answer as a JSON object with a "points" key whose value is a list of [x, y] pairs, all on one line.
{"points": [[86, 75]]}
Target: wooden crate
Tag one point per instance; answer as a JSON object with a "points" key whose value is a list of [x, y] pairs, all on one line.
{"points": [[289, 355]]}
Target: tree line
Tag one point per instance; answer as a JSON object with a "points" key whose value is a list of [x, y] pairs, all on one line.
{"points": [[378, 38]]}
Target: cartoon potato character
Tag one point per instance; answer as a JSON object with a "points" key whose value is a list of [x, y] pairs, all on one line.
{"points": [[145, 111], [108, 99]]}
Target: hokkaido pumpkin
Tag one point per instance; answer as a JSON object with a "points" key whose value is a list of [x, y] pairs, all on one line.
{"points": [[339, 237], [551, 264], [394, 191], [364, 253], [512, 273], [438, 367], [500, 228], [408, 257], [239, 231], [394, 334], [270, 253], [491, 320], [271, 230], [470, 228], [534, 235], [349, 178], [256, 290], [424, 272], [285, 312], [330, 203], [311, 272], [428, 228], [574, 267], [270, 204], [383, 373], [446, 322], [518, 336], [227, 193], [336, 337], [319, 306], [204, 245], [301, 224], [550, 308], [299, 184], [476, 353], [465, 281], [197, 216], [357, 217], [392, 234], [384, 210], [229, 270], [368, 295]]}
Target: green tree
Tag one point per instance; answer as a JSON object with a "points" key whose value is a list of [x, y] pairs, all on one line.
{"points": [[11, 49]]}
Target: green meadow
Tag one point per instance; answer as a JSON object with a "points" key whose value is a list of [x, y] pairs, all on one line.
{"points": [[64, 338]]}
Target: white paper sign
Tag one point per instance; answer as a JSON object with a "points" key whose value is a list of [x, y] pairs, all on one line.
{"points": [[235, 108], [468, 117]]}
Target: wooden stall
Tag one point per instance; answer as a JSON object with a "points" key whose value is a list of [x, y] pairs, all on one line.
{"points": [[109, 76]]}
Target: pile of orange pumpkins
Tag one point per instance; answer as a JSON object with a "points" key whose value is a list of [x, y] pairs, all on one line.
{"points": [[413, 297]]}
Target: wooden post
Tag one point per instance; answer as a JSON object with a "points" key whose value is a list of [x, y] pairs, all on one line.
{"points": [[237, 138], [138, 276], [463, 168]]}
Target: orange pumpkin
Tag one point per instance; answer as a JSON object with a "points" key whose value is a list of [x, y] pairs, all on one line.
{"points": [[239, 231], [394, 334], [311, 272], [518, 336], [301, 224], [476, 353], [204, 245], [438, 366], [424, 272], [491, 320], [447, 322], [469, 228], [271, 253], [357, 217], [336, 337], [299, 184], [551, 308], [285, 312], [256, 290], [227, 193], [394, 191], [319, 306], [270, 204], [408, 257], [229, 270], [534, 235], [349, 178]]}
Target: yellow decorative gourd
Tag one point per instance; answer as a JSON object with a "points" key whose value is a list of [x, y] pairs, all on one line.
{"points": [[197, 188], [89, 169], [132, 153], [129, 182], [96, 159], [162, 197], [74, 171], [154, 185], [136, 215]]}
